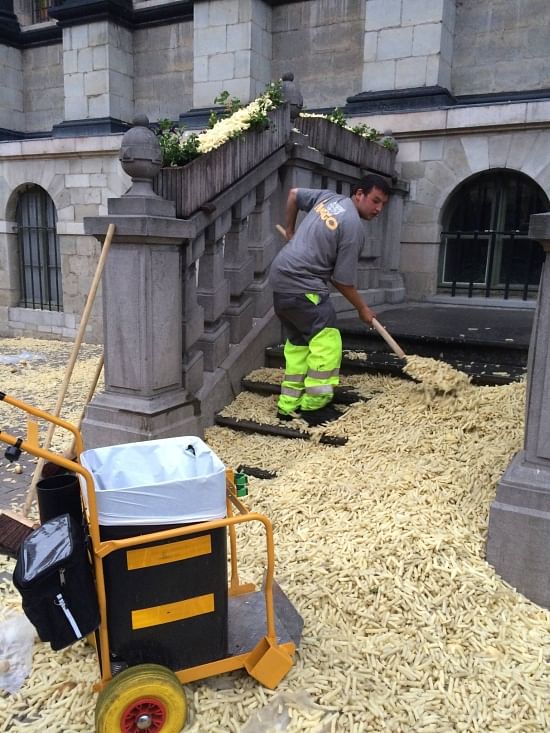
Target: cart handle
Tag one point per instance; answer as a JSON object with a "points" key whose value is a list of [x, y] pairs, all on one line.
{"points": [[32, 447], [45, 416]]}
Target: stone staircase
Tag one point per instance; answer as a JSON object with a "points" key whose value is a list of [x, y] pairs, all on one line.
{"points": [[490, 345]]}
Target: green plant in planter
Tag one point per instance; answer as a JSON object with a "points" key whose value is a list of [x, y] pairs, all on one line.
{"points": [[338, 118], [390, 144], [230, 105], [178, 148], [369, 133]]}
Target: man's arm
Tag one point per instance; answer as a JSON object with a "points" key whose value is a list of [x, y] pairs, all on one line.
{"points": [[291, 213], [352, 296]]}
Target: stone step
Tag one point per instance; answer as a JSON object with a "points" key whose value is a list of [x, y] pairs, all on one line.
{"points": [[250, 426], [381, 362], [342, 395]]}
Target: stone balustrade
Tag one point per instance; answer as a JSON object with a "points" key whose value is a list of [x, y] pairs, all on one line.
{"points": [[187, 304]]}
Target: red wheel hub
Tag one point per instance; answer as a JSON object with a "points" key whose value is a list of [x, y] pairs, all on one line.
{"points": [[146, 715]]}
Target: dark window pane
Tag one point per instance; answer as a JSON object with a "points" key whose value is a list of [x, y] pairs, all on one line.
{"points": [[485, 239], [465, 260], [522, 261], [40, 262], [40, 10]]}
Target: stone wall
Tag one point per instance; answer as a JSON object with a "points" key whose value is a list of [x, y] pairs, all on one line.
{"points": [[23, 9], [408, 44], [322, 43], [336, 48], [232, 49], [99, 73], [43, 87], [163, 68], [501, 46], [79, 175], [11, 98]]}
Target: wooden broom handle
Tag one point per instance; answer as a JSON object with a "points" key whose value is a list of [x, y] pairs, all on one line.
{"points": [[394, 346], [71, 452], [72, 361]]}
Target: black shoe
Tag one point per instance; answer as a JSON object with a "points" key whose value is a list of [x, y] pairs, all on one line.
{"points": [[321, 416], [346, 395], [287, 416]]}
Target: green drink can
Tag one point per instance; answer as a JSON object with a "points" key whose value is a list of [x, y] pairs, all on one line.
{"points": [[241, 484]]}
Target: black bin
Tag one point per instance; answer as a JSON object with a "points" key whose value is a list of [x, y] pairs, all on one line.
{"points": [[57, 495], [167, 600]]}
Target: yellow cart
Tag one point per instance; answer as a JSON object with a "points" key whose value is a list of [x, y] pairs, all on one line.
{"points": [[148, 697]]}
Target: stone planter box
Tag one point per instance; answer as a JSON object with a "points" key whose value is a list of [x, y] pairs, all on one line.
{"points": [[337, 142], [193, 185]]}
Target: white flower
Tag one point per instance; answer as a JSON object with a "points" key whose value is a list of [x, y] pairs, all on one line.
{"points": [[312, 114], [230, 127]]}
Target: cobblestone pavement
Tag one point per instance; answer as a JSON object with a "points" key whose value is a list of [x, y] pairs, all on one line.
{"points": [[33, 370]]}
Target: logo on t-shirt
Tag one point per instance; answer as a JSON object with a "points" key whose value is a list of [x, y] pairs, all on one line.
{"points": [[328, 212]]}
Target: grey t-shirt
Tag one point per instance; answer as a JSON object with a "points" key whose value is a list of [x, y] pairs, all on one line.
{"points": [[326, 245]]}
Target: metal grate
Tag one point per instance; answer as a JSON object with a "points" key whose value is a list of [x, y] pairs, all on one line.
{"points": [[490, 264], [39, 258], [40, 10]]}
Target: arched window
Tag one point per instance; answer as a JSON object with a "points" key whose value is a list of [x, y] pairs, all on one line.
{"points": [[485, 250], [39, 259]]}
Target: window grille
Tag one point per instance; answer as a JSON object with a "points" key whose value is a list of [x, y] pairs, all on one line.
{"points": [[39, 258], [485, 251], [40, 10]]}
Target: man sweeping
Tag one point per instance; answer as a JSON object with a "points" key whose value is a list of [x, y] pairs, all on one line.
{"points": [[323, 251]]}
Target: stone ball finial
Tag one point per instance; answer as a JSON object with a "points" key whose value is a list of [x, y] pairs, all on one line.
{"points": [[388, 141], [292, 95], [140, 156]]}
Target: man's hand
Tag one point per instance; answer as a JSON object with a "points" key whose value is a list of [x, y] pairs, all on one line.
{"points": [[352, 296], [366, 314]]}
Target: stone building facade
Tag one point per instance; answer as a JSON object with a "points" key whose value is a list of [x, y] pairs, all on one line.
{"points": [[462, 84]]}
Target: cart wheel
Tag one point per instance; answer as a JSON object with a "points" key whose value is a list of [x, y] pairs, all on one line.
{"points": [[147, 698]]}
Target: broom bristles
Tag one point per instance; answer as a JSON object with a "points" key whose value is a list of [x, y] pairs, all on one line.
{"points": [[13, 530]]}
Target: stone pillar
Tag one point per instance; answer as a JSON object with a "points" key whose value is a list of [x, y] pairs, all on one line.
{"points": [[408, 44], [232, 49], [213, 293], [12, 114], [144, 297], [391, 279], [264, 242], [518, 543], [239, 269], [98, 68], [292, 95], [9, 266]]}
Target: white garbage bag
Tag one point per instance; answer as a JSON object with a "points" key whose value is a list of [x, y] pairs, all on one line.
{"points": [[168, 481]]}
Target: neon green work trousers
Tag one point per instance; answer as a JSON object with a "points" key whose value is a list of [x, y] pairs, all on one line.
{"points": [[313, 351]]}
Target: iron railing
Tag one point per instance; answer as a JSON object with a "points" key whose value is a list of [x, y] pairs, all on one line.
{"points": [[39, 256], [490, 264], [40, 10]]}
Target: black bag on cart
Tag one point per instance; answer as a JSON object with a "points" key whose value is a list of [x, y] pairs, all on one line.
{"points": [[54, 577]]}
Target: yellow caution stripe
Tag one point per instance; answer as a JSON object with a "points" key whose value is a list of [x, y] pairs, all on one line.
{"points": [[165, 614], [147, 557]]}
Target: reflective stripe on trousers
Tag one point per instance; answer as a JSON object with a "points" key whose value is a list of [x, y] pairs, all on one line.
{"points": [[292, 386], [320, 363], [324, 358]]}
